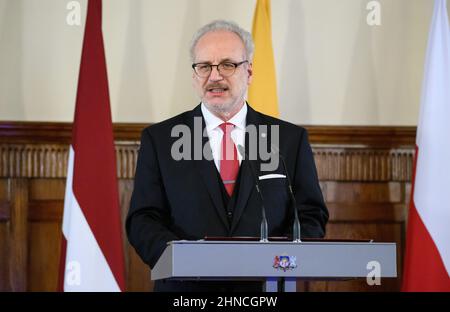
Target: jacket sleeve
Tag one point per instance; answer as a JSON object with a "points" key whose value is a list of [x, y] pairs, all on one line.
{"points": [[148, 219], [313, 213]]}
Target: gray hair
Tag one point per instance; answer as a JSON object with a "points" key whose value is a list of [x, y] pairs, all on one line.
{"points": [[217, 25]]}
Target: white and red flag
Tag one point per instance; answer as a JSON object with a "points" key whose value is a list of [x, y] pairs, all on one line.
{"points": [[92, 252], [427, 257]]}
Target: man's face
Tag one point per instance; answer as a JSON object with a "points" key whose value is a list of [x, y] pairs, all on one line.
{"points": [[222, 95]]}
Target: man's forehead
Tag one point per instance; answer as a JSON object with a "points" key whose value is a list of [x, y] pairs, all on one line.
{"points": [[222, 44]]}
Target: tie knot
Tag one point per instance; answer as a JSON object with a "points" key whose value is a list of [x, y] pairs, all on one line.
{"points": [[226, 127]]}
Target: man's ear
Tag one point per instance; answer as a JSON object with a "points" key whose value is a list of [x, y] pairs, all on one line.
{"points": [[193, 80], [250, 72]]}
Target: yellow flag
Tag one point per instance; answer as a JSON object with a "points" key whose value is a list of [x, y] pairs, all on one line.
{"points": [[262, 93]]}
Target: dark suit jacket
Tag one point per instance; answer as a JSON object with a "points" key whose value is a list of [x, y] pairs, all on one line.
{"points": [[175, 200]]}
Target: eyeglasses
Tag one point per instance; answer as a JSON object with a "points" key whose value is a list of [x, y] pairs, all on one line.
{"points": [[225, 69]]}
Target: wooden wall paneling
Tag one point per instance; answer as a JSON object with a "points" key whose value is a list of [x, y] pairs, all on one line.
{"points": [[137, 272], [33, 160], [18, 235], [4, 234], [365, 210], [126, 158], [368, 201], [362, 163], [44, 221], [381, 232], [45, 243], [365, 175], [4, 200], [45, 217], [4, 257], [138, 277]]}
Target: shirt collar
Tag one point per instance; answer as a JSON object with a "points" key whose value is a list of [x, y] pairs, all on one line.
{"points": [[212, 121]]}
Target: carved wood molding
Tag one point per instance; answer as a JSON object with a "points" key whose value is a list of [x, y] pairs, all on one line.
{"points": [[364, 136], [338, 163], [61, 132], [40, 150], [58, 132], [333, 162], [50, 160]]}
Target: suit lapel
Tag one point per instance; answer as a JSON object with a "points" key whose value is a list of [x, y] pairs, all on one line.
{"points": [[207, 168], [247, 181]]}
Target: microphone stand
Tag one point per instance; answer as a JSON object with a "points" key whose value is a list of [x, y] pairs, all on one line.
{"points": [[264, 228], [296, 226]]}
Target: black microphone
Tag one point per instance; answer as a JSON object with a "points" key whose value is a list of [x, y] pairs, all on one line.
{"points": [[264, 230], [296, 226]]}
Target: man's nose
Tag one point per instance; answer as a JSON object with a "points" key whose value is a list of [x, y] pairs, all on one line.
{"points": [[215, 74]]}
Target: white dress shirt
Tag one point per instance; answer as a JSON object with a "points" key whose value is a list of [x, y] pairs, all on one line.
{"points": [[215, 133]]}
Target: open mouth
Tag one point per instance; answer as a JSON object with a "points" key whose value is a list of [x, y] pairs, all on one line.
{"points": [[217, 91]]}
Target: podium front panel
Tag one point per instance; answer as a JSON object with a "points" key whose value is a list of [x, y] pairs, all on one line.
{"points": [[256, 260]]}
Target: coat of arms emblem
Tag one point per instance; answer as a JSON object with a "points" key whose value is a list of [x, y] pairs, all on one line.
{"points": [[284, 262]]}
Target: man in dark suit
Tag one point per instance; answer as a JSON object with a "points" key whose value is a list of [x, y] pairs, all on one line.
{"points": [[178, 195]]}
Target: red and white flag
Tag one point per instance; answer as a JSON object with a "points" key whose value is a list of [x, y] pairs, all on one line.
{"points": [[92, 252], [427, 257]]}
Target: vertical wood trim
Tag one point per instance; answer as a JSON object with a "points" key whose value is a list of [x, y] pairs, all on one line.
{"points": [[18, 245]]}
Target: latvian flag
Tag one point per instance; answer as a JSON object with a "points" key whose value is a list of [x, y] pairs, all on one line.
{"points": [[427, 258], [92, 252]]}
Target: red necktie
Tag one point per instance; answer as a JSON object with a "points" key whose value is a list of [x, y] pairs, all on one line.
{"points": [[229, 162]]}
